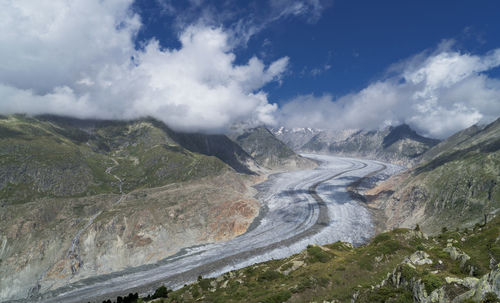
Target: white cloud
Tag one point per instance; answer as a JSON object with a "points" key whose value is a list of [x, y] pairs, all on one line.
{"points": [[77, 58], [437, 94], [311, 9], [245, 21]]}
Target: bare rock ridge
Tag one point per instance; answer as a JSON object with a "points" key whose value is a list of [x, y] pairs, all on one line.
{"points": [[400, 144], [268, 151], [295, 138]]}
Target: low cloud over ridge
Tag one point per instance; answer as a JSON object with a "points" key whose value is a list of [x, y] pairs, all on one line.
{"points": [[437, 94], [78, 58]]}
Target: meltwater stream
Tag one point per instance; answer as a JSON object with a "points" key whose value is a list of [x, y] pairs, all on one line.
{"points": [[298, 208]]}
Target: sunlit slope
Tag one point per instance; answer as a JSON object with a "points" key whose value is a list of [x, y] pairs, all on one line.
{"points": [[58, 158], [456, 184], [402, 266], [79, 198]]}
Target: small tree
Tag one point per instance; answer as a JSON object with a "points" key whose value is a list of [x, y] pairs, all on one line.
{"points": [[490, 297], [160, 292]]}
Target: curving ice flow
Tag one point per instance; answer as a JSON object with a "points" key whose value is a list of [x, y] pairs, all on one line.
{"points": [[298, 208]]}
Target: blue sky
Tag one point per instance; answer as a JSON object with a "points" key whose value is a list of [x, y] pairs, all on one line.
{"points": [[204, 66], [350, 43]]}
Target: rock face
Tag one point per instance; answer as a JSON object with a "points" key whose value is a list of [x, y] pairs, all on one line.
{"points": [[489, 283], [400, 144], [456, 184], [295, 138], [79, 198], [471, 289], [268, 151], [402, 265]]}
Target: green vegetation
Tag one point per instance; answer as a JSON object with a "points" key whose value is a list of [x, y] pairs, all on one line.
{"points": [[431, 282], [338, 271], [490, 297], [387, 294], [60, 157], [269, 275], [467, 166], [318, 254]]}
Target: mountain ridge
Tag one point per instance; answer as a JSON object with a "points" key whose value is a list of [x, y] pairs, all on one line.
{"points": [[269, 151], [79, 198], [396, 144], [454, 185]]}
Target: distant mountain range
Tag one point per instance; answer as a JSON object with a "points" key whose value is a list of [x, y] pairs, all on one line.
{"points": [[397, 144], [439, 241], [79, 198]]}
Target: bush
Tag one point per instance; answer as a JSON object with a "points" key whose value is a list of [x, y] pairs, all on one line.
{"points": [[250, 270], [381, 238], [431, 282], [365, 262], [495, 252], [490, 297], [160, 292], [477, 269], [232, 287], [279, 297], [389, 247], [316, 254], [195, 292], [269, 275], [339, 245], [204, 284], [323, 281], [305, 283], [408, 272], [387, 294], [131, 298]]}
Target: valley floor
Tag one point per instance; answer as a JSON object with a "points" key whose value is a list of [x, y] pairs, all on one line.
{"points": [[298, 208]]}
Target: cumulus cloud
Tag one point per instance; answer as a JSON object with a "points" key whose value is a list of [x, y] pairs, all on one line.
{"points": [[437, 94], [78, 58]]}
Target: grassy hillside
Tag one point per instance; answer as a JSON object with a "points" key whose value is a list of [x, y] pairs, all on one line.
{"points": [[456, 184], [56, 157], [398, 266], [81, 198]]}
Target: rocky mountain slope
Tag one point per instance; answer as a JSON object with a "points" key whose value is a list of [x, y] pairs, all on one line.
{"points": [[268, 151], [80, 198], [456, 184], [447, 194], [400, 144], [403, 266], [294, 138]]}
